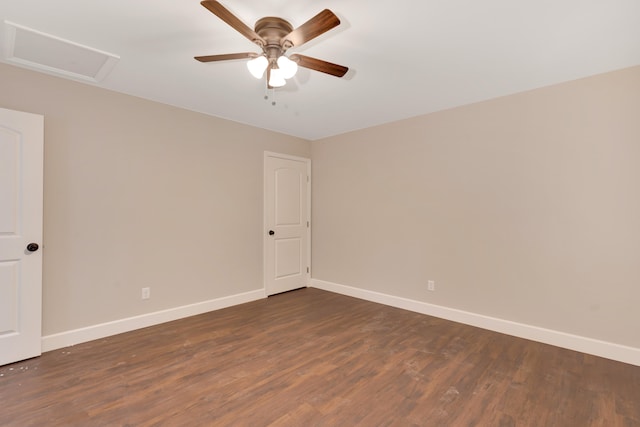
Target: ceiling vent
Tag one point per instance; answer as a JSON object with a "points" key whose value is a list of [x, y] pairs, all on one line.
{"points": [[43, 52]]}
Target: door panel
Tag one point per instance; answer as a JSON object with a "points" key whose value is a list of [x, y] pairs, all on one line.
{"points": [[9, 173], [288, 260], [287, 232], [287, 197], [8, 297], [21, 153]]}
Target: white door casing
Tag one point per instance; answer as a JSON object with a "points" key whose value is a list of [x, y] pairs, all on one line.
{"points": [[21, 174], [287, 232]]}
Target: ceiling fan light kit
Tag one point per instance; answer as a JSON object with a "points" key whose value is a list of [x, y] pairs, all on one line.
{"points": [[275, 36], [285, 70]]}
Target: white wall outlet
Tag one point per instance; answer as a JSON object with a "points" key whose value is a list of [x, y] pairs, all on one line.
{"points": [[431, 285], [146, 293]]}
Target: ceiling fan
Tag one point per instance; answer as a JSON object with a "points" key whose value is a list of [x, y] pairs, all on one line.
{"points": [[275, 36]]}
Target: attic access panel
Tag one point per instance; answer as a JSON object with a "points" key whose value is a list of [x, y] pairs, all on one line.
{"points": [[50, 54]]}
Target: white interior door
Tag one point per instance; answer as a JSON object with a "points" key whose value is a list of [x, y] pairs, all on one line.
{"points": [[21, 151], [287, 223]]}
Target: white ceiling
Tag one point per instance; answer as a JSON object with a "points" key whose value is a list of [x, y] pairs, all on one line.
{"points": [[406, 57]]}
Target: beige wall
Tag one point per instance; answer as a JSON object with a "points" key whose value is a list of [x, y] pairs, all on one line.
{"points": [[142, 194], [525, 208]]}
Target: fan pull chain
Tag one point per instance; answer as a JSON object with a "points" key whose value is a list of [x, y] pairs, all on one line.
{"points": [[273, 96]]}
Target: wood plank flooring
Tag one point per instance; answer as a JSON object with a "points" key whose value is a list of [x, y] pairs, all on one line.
{"points": [[314, 358]]}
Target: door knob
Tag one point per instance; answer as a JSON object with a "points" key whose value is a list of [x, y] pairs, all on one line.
{"points": [[32, 247], [271, 232]]}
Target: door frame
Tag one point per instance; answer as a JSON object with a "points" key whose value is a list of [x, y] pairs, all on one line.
{"points": [[265, 226]]}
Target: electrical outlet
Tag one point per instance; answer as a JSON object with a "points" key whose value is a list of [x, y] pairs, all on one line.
{"points": [[431, 285], [146, 293]]}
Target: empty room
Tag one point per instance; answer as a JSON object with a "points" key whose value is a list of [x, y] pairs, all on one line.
{"points": [[279, 213]]}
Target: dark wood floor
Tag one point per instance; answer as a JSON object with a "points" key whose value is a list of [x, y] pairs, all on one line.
{"points": [[313, 358]]}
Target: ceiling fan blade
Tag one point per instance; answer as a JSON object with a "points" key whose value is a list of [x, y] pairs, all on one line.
{"points": [[226, 57], [319, 65], [221, 12], [319, 24]]}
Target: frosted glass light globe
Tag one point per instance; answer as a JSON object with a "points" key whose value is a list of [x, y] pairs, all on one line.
{"points": [[287, 66], [257, 66]]}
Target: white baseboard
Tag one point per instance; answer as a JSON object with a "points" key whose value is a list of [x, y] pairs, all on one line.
{"points": [[592, 346], [77, 336]]}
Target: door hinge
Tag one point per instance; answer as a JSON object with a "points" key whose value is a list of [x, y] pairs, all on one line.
{"points": [[307, 224], [308, 178], [307, 270]]}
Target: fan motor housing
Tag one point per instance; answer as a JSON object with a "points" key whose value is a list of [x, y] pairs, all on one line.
{"points": [[273, 29]]}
